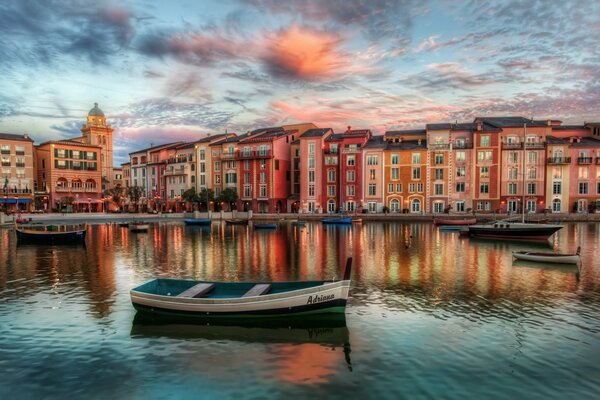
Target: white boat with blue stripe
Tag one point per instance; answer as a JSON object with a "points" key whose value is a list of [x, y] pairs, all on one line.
{"points": [[176, 297]]}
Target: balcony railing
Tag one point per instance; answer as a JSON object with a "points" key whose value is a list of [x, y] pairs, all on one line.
{"points": [[174, 171], [9, 191], [512, 146], [4, 151], [559, 160], [439, 146], [6, 164], [241, 155], [351, 151], [20, 153], [61, 189], [21, 165], [462, 145], [228, 156], [584, 160], [535, 146], [330, 151]]}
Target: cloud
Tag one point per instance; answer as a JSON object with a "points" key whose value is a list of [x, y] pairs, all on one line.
{"points": [[450, 75]]}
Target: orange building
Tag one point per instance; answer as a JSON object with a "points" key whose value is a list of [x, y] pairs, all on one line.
{"points": [[68, 172], [16, 187]]}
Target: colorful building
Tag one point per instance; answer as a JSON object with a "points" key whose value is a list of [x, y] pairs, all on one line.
{"points": [[316, 172], [17, 182]]}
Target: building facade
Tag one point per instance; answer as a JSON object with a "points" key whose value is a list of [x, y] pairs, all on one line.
{"points": [[17, 182]]}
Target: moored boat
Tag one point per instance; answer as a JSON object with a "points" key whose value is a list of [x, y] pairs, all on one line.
{"points": [[264, 225], [177, 297], [51, 234], [138, 227], [236, 221], [204, 222], [124, 224], [338, 221], [299, 222], [547, 257], [459, 222], [513, 231]]}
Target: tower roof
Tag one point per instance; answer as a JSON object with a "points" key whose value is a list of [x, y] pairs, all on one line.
{"points": [[96, 111]]}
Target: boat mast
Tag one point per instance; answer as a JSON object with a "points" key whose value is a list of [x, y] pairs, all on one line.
{"points": [[523, 161]]}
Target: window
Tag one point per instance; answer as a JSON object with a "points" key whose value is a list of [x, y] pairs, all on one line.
{"points": [[556, 187], [512, 188], [350, 191], [439, 159], [461, 171], [513, 173], [399, 187], [439, 174], [394, 206], [532, 173], [395, 173], [396, 159], [331, 175], [331, 190], [263, 164], [247, 190], [311, 190], [333, 148], [416, 158], [372, 160], [411, 187], [598, 190], [416, 173], [438, 207], [231, 177], [415, 206], [485, 140], [556, 205], [372, 207], [311, 176], [484, 172], [311, 147], [484, 188], [460, 187], [531, 188], [583, 188], [263, 150], [350, 160], [390, 188], [513, 157], [76, 154], [420, 187], [311, 161], [217, 166], [61, 153], [372, 189], [532, 157], [461, 156], [531, 206], [5, 149], [583, 172], [459, 206], [372, 174], [350, 176], [331, 206], [262, 177], [277, 165], [484, 155], [438, 189]]}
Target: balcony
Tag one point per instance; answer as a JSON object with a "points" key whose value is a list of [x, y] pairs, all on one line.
{"points": [[61, 189], [463, 145], [559, 160], [228, 156], [512, 146], [351, 151], [13, 191], [178, 160], [330, 151], [535, 146], [20, 165], [584, 160], [175, 171], [439, 146], [244, 155], [5, 151], [20, 153]]}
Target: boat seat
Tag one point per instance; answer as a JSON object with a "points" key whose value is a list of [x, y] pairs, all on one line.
{"points": [[257, 290], [198, 290]]}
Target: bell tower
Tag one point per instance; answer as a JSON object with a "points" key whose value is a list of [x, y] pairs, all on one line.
{"points": [[97, 132]]}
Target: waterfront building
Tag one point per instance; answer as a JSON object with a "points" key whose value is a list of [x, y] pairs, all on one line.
{"points": [[204, 161], [405, 166], [17, 182], [265, 158], [97, 132], [438, 175], [373, 175], [294, 197], [316, 171], [126, 168], [460, 173], [179, 173], [69, 176], [349, 185]]}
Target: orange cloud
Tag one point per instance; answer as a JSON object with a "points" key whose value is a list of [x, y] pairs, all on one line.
{"points": [[304, 53]]}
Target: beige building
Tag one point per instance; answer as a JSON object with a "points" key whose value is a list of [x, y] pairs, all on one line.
{"points": [[17, 185]]}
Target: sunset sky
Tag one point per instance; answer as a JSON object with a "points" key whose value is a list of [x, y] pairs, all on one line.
{"points": [[177, 70]]}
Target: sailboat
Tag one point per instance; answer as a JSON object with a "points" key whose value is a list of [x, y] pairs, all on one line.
{"points": [[508, 228]]}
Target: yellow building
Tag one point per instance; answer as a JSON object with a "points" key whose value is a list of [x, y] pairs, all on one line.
{"points": [[16, 187]]}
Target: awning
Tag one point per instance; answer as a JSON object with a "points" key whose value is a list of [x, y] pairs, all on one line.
{"points": [[93, 201], [13, 200]]}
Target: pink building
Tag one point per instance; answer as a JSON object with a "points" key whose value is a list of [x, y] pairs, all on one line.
{"points": [[318, 171]]}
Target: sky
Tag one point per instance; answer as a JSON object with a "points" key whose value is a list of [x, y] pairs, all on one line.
{"points": [[176, 70]]}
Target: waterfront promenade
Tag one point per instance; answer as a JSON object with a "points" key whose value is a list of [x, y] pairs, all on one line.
{"points": [[94, 218]]}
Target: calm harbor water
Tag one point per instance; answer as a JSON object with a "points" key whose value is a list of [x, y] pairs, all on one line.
{"points": [[431, 315]]}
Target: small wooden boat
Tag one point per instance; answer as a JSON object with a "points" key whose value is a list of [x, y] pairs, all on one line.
{"points": [[236, 221], [546, 257], [338, 221], [124, 224], [51, 234], [458, 222], [204, 222], [138, 227], [265, 226], [177, 297]]}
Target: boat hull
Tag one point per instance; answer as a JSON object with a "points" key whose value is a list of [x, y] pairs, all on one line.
{"points": [[327, 298], [265, 226], [337, 221], [138, 227], [546, 258], [202, 222], [51, 237], [514, 231], [236, 222]]}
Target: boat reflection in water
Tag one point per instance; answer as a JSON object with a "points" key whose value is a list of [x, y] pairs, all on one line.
{"points": [[329, 330]]}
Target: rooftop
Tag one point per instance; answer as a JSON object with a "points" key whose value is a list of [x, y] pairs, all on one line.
{"points": [[315, 132], [157, 147], [375, 142], [9, 136]]}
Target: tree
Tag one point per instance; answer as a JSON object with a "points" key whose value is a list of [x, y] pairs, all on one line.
{"points": [[135, 193], [115, 195], [229, 196], [191, 196]]}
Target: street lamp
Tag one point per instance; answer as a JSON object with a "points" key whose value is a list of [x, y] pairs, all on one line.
{"points": [[89, 204]]}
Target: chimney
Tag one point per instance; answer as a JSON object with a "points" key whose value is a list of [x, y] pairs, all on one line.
{"points": [[549, 122], [25, 136], [349, 129], [151, 144], [479, 125], [419, 142]]}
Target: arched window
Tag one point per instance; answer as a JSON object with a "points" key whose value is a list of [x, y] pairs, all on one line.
{"points": [[331, 206], [62, 183], [76, 184], [394, 206], [415, 206], [90, 184], [556, 206]]}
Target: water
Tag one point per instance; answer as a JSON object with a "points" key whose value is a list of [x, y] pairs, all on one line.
{"points": [[431, 315]]}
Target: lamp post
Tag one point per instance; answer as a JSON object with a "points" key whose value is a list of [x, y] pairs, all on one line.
{"points": [[89, 204]]}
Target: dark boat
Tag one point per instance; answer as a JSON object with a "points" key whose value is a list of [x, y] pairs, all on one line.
{"points": [[265, 226], [514, 230], [188, 298], [51, 234], [236, 221], [124, 224], [338, 221], [298, 222], [139, 226], [204, 222]]}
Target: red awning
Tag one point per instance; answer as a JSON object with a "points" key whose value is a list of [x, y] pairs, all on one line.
{"points": [[87, 201]]}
